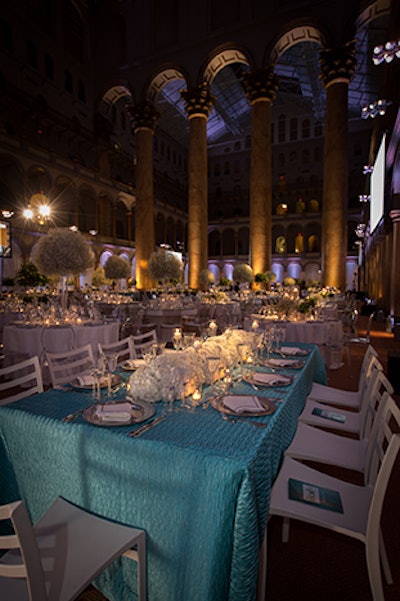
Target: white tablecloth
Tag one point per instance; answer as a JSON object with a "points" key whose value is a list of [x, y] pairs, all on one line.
{"points": [[29, 341]]}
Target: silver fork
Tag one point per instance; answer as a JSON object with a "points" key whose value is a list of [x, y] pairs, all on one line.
{"points": [[233, 419]]}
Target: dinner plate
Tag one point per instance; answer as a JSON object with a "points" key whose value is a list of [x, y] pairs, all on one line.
{"points": [[267, 379], [115, 380], [268, 405], [140, 411]]}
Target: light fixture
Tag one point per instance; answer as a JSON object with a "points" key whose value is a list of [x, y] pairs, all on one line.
{"points": [[386, 52], [364, 198], [7, 214], [374, 109], [38, 208], [368, 169], [92, 232], [360, 230], [73, 228]]}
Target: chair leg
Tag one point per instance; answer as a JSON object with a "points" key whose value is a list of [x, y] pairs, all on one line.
{"points": [[374, 572], [384, 559], [139, 556], [285, 530]]}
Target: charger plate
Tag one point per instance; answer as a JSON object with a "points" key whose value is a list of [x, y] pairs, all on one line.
{"points": [[269, 406], [140, 411]]}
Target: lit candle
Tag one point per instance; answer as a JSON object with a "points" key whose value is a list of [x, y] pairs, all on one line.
{"points": [[254, 325], [213, 328], [196, 396], [177, 333]]}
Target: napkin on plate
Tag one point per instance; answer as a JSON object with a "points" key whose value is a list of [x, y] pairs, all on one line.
{"points": [[243, 403], [270, 379], [117, 412], [281, 362], [292, 350], [85, 380]]}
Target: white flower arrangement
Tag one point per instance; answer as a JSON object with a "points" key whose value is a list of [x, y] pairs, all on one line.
{"points": [[206, 278], [164, 266], [243, 273], [189, 366], [63, 252]]}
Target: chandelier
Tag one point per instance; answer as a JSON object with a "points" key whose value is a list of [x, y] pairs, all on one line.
{"points": [[374, 109], [386, 52]]}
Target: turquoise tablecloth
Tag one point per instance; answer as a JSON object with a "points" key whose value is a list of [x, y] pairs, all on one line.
{"points": [[197, 484]]}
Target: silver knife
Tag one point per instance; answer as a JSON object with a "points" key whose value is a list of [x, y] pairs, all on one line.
{"points": [[146, 426]]}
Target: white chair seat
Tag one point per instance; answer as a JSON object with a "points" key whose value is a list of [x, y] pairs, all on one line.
{"points": [[346, 398], [313, 444], [342, 420], [355, 500], [64, 552]]}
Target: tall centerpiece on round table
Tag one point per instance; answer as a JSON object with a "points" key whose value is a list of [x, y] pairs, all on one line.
{"points": [[63, 252], [164, 266], [116, 269]]}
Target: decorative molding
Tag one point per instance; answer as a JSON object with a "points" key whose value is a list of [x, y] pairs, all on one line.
{"points": [[294, 36], [221, 60], [161, 80], [198, 101]]}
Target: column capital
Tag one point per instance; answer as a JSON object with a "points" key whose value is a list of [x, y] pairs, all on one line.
{"points": [[260, 84], [143, 115], [395, 216], [198, 100], [337, 64]]}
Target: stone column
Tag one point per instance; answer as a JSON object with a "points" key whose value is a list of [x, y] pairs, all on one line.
{"points": [[260, 87], [395, 265], [144, 116], [337, 69], [198, 103]]}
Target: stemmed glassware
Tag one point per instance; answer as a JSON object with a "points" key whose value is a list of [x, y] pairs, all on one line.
{"points": [[97, 372], [111, 361]]}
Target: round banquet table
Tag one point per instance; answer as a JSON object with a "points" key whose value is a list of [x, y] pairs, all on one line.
{"points": [[24, 340]]}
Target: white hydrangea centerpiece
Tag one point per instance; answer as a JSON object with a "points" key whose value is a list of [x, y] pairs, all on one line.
{"points": [[190, 365]]}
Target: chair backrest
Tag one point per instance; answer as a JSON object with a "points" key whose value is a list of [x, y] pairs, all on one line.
{"points": [[375, 388], [124, 348], [20, 380], [386, 423], [29, 564], [64, 367], [366, 365], [143, 342], [383, 460], [367, 369]]}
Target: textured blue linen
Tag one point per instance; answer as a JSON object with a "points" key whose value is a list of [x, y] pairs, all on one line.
{"points": [[197, 484]]}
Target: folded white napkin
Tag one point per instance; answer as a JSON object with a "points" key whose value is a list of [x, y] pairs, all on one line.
{"points": [[243, 403], [117, 412], [291, 350], [270, 379], [85, 380], [281, 362]]}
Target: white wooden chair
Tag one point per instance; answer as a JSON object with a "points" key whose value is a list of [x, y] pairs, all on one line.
{"points": [[142, 342], [347, 398], [355, 422], [64, 367], [361, 506], [58, 557], [319, 446], [20, 380], [125, 349]]}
